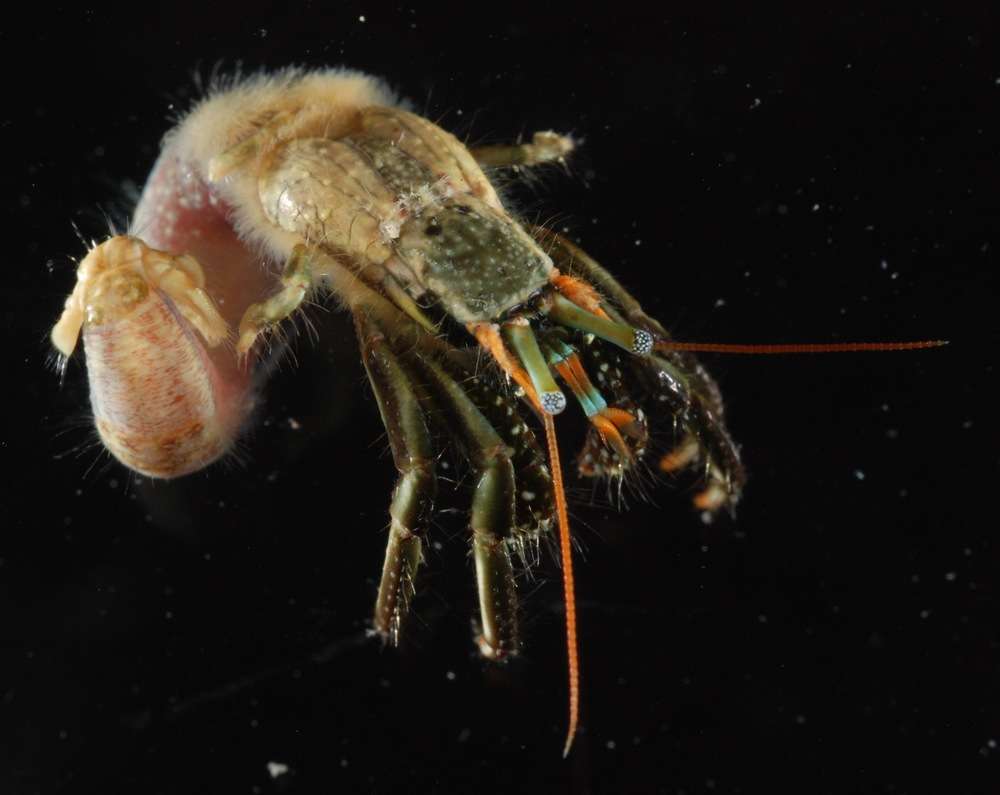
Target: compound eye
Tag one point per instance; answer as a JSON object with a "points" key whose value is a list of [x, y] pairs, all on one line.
{"points": [[642, 344], [553, 402]]}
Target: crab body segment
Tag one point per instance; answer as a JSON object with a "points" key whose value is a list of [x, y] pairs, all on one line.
{"points": [[324, 177]]}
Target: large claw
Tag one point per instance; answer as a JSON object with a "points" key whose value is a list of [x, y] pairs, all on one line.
{"points": [[159, 403]]}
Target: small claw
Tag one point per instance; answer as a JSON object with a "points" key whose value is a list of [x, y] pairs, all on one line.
{"points": [[295, 283], [118, 275], [251, 326], [66, 331], [547, 146], [711, 498], [681, 456]]}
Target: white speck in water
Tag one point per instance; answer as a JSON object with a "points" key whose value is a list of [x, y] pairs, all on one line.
{"points": [[859, 474], [276, 769], [925, 613], [950, 576], [450, 676], [815, 208], [610, 745], [884, 265], [720, 302], [362, 18], [638, 242]]}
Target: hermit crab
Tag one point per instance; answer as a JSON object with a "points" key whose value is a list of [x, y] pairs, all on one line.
{"points": [[279, 186]]}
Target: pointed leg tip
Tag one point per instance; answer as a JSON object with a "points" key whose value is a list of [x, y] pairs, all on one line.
{"points": [[244, 345], [570, 737], [217, 169], [489, 651]]}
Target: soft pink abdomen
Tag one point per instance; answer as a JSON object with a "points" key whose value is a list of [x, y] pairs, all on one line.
{"points": [[164, 403]]}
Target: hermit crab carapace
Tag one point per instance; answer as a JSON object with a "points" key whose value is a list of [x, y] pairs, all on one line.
{"points": [[324, 178]]}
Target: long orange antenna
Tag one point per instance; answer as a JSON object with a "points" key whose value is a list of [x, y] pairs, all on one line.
{"points": [[821, 347], [569, 592], [489, 337]]}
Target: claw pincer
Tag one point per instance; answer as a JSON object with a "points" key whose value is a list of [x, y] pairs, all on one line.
{"points": [[159, 403]]}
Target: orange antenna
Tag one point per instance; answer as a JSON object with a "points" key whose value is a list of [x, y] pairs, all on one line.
{"points": [[821, 347], [489, 337], [569, 593]]}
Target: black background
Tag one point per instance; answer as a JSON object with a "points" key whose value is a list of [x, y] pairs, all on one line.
{"points": [[753, 177]]}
